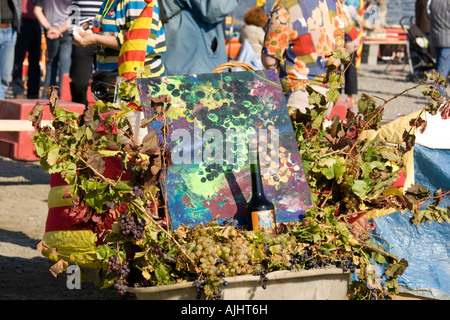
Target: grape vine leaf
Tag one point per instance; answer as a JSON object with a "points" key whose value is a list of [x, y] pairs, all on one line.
{"points": [[150, 143], [95, 161], [52, 94], [59, 267], [161, 274], [360, 188], [53, 155], [396, 269], [35, 115]]}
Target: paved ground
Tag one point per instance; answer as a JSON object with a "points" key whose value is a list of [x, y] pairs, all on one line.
{"points": [[382, 83]]}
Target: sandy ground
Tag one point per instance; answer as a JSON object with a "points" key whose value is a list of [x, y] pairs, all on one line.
{"points": [[24, 272], [24, 186]]}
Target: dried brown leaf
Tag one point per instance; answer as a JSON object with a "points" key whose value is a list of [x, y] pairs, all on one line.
{"points": [[59, 267]]}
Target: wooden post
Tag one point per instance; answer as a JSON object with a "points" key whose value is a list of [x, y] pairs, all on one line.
{"points": [[19, 125]]}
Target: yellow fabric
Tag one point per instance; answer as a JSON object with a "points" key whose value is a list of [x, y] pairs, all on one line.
{"points": [[393, 133], [134, 44], [143, 23], [74, 246], [55, 197], [128, 67]]}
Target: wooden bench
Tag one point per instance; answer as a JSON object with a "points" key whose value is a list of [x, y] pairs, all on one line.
{"points": [[394, 37], [16, 130]]}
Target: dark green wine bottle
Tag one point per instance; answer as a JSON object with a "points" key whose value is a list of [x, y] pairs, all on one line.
{"points": [[260, 211]]}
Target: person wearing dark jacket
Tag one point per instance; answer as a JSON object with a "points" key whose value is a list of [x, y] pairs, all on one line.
{"points": [[440, 35], [83, 58], [10, 18], [28, 41], [421, 16]]}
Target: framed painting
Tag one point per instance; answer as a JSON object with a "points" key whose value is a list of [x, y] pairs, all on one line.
{"points": [[215, 120]]}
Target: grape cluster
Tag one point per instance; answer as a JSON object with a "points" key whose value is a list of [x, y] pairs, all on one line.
{"points": [[219, 258], [156, 249], [263, 278], [351, 204], [346, 265], [200, 288], [283, 238], [138, 192], [121, 268], [129, 226], [121, 286]]}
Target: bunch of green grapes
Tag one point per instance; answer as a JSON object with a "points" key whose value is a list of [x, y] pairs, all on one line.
{"points": [[220, 257], [283, 238]]}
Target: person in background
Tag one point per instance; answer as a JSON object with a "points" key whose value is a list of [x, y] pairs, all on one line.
{"points": [[28, 41], [255, 21], [421, 16], [83, 58], [440, 36], [110, 26], [261, 4], [53, 16], [299, 40], [382, 4], [351, 9], [194, 34], [10, 19]]}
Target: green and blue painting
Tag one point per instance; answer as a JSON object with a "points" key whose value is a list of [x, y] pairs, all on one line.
{"points": [[215, 120]]}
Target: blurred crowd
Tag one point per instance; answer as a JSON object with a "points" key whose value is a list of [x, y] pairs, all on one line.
{"points": [[64, 43]]}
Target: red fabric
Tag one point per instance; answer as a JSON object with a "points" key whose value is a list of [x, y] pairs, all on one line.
{"points": [[400, 181], [132, 55], [58, 218], [303, 45], [353, 34]]}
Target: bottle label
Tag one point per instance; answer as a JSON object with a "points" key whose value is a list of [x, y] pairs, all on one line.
{"points": [[264, 221]]}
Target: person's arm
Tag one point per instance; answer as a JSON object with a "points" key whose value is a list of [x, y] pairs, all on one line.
{"points": [[269, 62], [86, 39], [39, 13], [50, 31], [65, 26], [351, 41]]}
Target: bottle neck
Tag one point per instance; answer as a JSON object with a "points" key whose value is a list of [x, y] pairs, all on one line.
{"points": [[255, 172]]}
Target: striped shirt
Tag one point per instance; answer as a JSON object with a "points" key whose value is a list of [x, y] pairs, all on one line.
{"points": [[88, 9], [117, 21]]}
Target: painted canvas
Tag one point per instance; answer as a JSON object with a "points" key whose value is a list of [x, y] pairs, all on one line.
{"points": [[216, 120]]}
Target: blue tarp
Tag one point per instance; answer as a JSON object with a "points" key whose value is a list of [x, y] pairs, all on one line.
{"points": [[425, 247]]}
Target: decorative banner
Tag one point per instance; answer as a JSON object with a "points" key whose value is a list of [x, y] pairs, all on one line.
{"points": [[215, 119], [360, 34], [134, 49]]}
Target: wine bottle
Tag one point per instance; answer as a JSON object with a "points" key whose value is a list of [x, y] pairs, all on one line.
{"points": [[260, 211]]}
